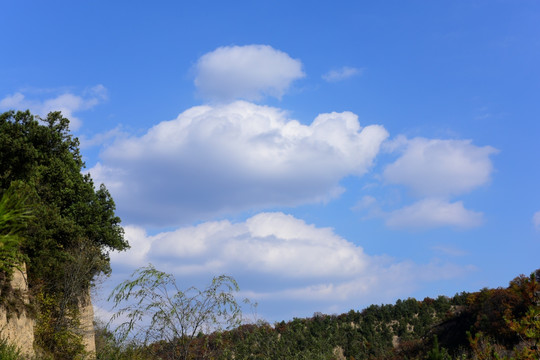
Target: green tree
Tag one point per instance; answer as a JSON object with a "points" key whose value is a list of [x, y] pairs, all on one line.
{"points": [[528, 326], [437, 353], [157, 311], [14, 214], [71, 216], [42, 154]]}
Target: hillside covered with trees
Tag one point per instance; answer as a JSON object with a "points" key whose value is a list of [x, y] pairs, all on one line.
{"points": [[502, 323]]}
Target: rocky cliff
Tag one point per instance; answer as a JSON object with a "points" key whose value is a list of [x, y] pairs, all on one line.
{"points": [[17, 324]]}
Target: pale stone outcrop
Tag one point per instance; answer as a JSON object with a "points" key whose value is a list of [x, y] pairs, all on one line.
{"points": [[18, 327], [86, 313], [338, 353]]}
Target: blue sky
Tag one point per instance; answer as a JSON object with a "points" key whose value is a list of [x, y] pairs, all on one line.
{"points": [[327, 156]]}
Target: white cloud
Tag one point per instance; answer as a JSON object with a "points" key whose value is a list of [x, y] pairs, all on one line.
{"points": [[246, 72], [383, 283], [432, 213], [139, 247], [536, 220], [366, 202], [67, 103], [272, 243], [341, 74], [290, 259], [450, 250], [222, 159], [102, 138], [434, 167], [435, 171]]}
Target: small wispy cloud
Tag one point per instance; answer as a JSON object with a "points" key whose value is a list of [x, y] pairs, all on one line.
{"points": [[536, 220], [103, 138], [364, 203], [450, 250], [66, 102], [342, 73], [434, 213]]}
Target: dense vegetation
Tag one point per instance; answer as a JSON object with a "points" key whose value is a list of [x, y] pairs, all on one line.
{"points": [[69, 228], [501, 323]]}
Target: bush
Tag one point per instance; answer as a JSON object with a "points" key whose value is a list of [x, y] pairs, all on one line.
{"points": [[9, 351]]}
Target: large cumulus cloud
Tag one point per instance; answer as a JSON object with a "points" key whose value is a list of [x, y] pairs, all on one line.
{"points": [[291, 260], [213, 160]]}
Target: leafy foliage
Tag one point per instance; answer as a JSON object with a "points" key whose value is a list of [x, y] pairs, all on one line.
{"points": [[9, 351], [13, 216], [160, 312], [45, 157], [55, 333], [67, 241], [437, 353], [110, 347]]}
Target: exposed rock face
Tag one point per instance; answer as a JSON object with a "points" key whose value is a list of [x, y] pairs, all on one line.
{"points": [[338, 353], [18, 328], [87, 325]]}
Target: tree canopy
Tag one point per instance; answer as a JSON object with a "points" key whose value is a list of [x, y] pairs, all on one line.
{"points": [[69, 211], [66, 241]]}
